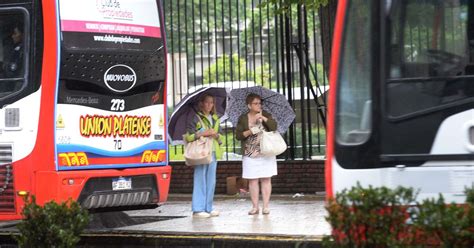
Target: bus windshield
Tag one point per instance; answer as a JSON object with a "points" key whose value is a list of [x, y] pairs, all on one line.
{"points": [[431, 51]]}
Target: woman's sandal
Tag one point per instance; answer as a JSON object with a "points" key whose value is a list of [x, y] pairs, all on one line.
{"points": [[253, 211], [266, 211]]}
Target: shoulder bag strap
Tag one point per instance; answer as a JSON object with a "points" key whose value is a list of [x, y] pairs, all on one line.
{"points": [[202, 122]]}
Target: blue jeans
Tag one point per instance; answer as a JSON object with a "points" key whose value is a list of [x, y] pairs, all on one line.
{"points": [[204, 186]]}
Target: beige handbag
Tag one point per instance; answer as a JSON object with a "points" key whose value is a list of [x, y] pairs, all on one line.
{"points": [[199, 151]]}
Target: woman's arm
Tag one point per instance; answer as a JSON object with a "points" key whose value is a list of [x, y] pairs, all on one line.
{"points": [[270, 123], [219, 134], [241, 131]]}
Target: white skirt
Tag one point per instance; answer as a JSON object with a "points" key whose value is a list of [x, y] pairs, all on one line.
{"points": [[259, 167]]}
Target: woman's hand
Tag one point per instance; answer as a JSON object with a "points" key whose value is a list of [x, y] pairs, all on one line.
{"points": [[247, 133], [213, 134], [260, 117], [208, 133]]}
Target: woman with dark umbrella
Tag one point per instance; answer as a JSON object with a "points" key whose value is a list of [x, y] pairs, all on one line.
{"points": [[205, 124], [255, 166]]}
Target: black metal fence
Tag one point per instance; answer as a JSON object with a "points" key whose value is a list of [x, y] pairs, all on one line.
{"points": [[238, 43]]}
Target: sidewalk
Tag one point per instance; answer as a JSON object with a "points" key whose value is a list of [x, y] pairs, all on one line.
{"points": [[291, 215], [294, 221]]}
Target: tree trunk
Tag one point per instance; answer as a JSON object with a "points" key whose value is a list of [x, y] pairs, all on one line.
{"points": [[327, 17]]}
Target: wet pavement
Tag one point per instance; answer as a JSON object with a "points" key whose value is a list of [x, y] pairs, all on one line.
{"points": [[294, 221], [290, 215]]}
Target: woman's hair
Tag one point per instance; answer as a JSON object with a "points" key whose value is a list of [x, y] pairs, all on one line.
{"points": [[203, 97], [251, 97]]}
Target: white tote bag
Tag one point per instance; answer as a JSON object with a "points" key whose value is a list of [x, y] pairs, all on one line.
{"points": [[198, 152], [272, 144]]}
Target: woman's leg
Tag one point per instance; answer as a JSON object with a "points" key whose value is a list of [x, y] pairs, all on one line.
{"points": [[210, 183], [199, 188], [266, 190], [254, 189]]}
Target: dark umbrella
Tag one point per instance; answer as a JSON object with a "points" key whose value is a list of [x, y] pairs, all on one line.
{"points": [[187, 108], [272, 102]]}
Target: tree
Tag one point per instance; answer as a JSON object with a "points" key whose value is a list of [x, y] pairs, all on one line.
{"points": [[285, 5], [189, 20], [327, 16], [222, 71]]}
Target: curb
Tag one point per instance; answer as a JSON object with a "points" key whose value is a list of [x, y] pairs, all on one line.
{"points": [[293, 197]]}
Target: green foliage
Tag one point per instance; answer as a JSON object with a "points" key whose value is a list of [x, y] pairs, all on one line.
{"points": [[322, 78], [225, 69], [230, 144], [365, 217], [286, 5], [183, 19], [318, 137], [450, 225], [176, 152], [382, 217], [188, 21], [263, 76], [470, 195], [51, 225]]}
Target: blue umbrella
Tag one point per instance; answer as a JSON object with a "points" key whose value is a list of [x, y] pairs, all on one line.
{"points": [[187, 108], [272, 102]]}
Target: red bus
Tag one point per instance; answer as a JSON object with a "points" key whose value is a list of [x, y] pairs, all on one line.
{"points": [[83, 108], [402, 97]]}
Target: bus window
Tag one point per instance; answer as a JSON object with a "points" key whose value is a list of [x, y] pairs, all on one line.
{"points": [[12, 46], [354, 97], [430, 68]]}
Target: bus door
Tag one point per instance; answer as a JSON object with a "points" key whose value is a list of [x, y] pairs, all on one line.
{"points": [[20, 73], [404, 107]]}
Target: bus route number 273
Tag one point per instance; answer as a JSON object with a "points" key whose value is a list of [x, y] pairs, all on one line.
{"points": [[117, 105]]}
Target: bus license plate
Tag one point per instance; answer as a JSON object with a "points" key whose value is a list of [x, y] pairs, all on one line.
{"points": [[121, 183]]}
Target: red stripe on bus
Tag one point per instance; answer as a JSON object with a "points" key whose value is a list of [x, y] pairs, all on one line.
{"points": [[333, 77]]}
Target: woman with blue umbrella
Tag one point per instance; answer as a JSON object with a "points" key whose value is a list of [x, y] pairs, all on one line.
{"points": [[197, 116]]}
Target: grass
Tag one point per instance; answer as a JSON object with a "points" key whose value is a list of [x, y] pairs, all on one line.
{"points": [[176, 153], [229, 141]]}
